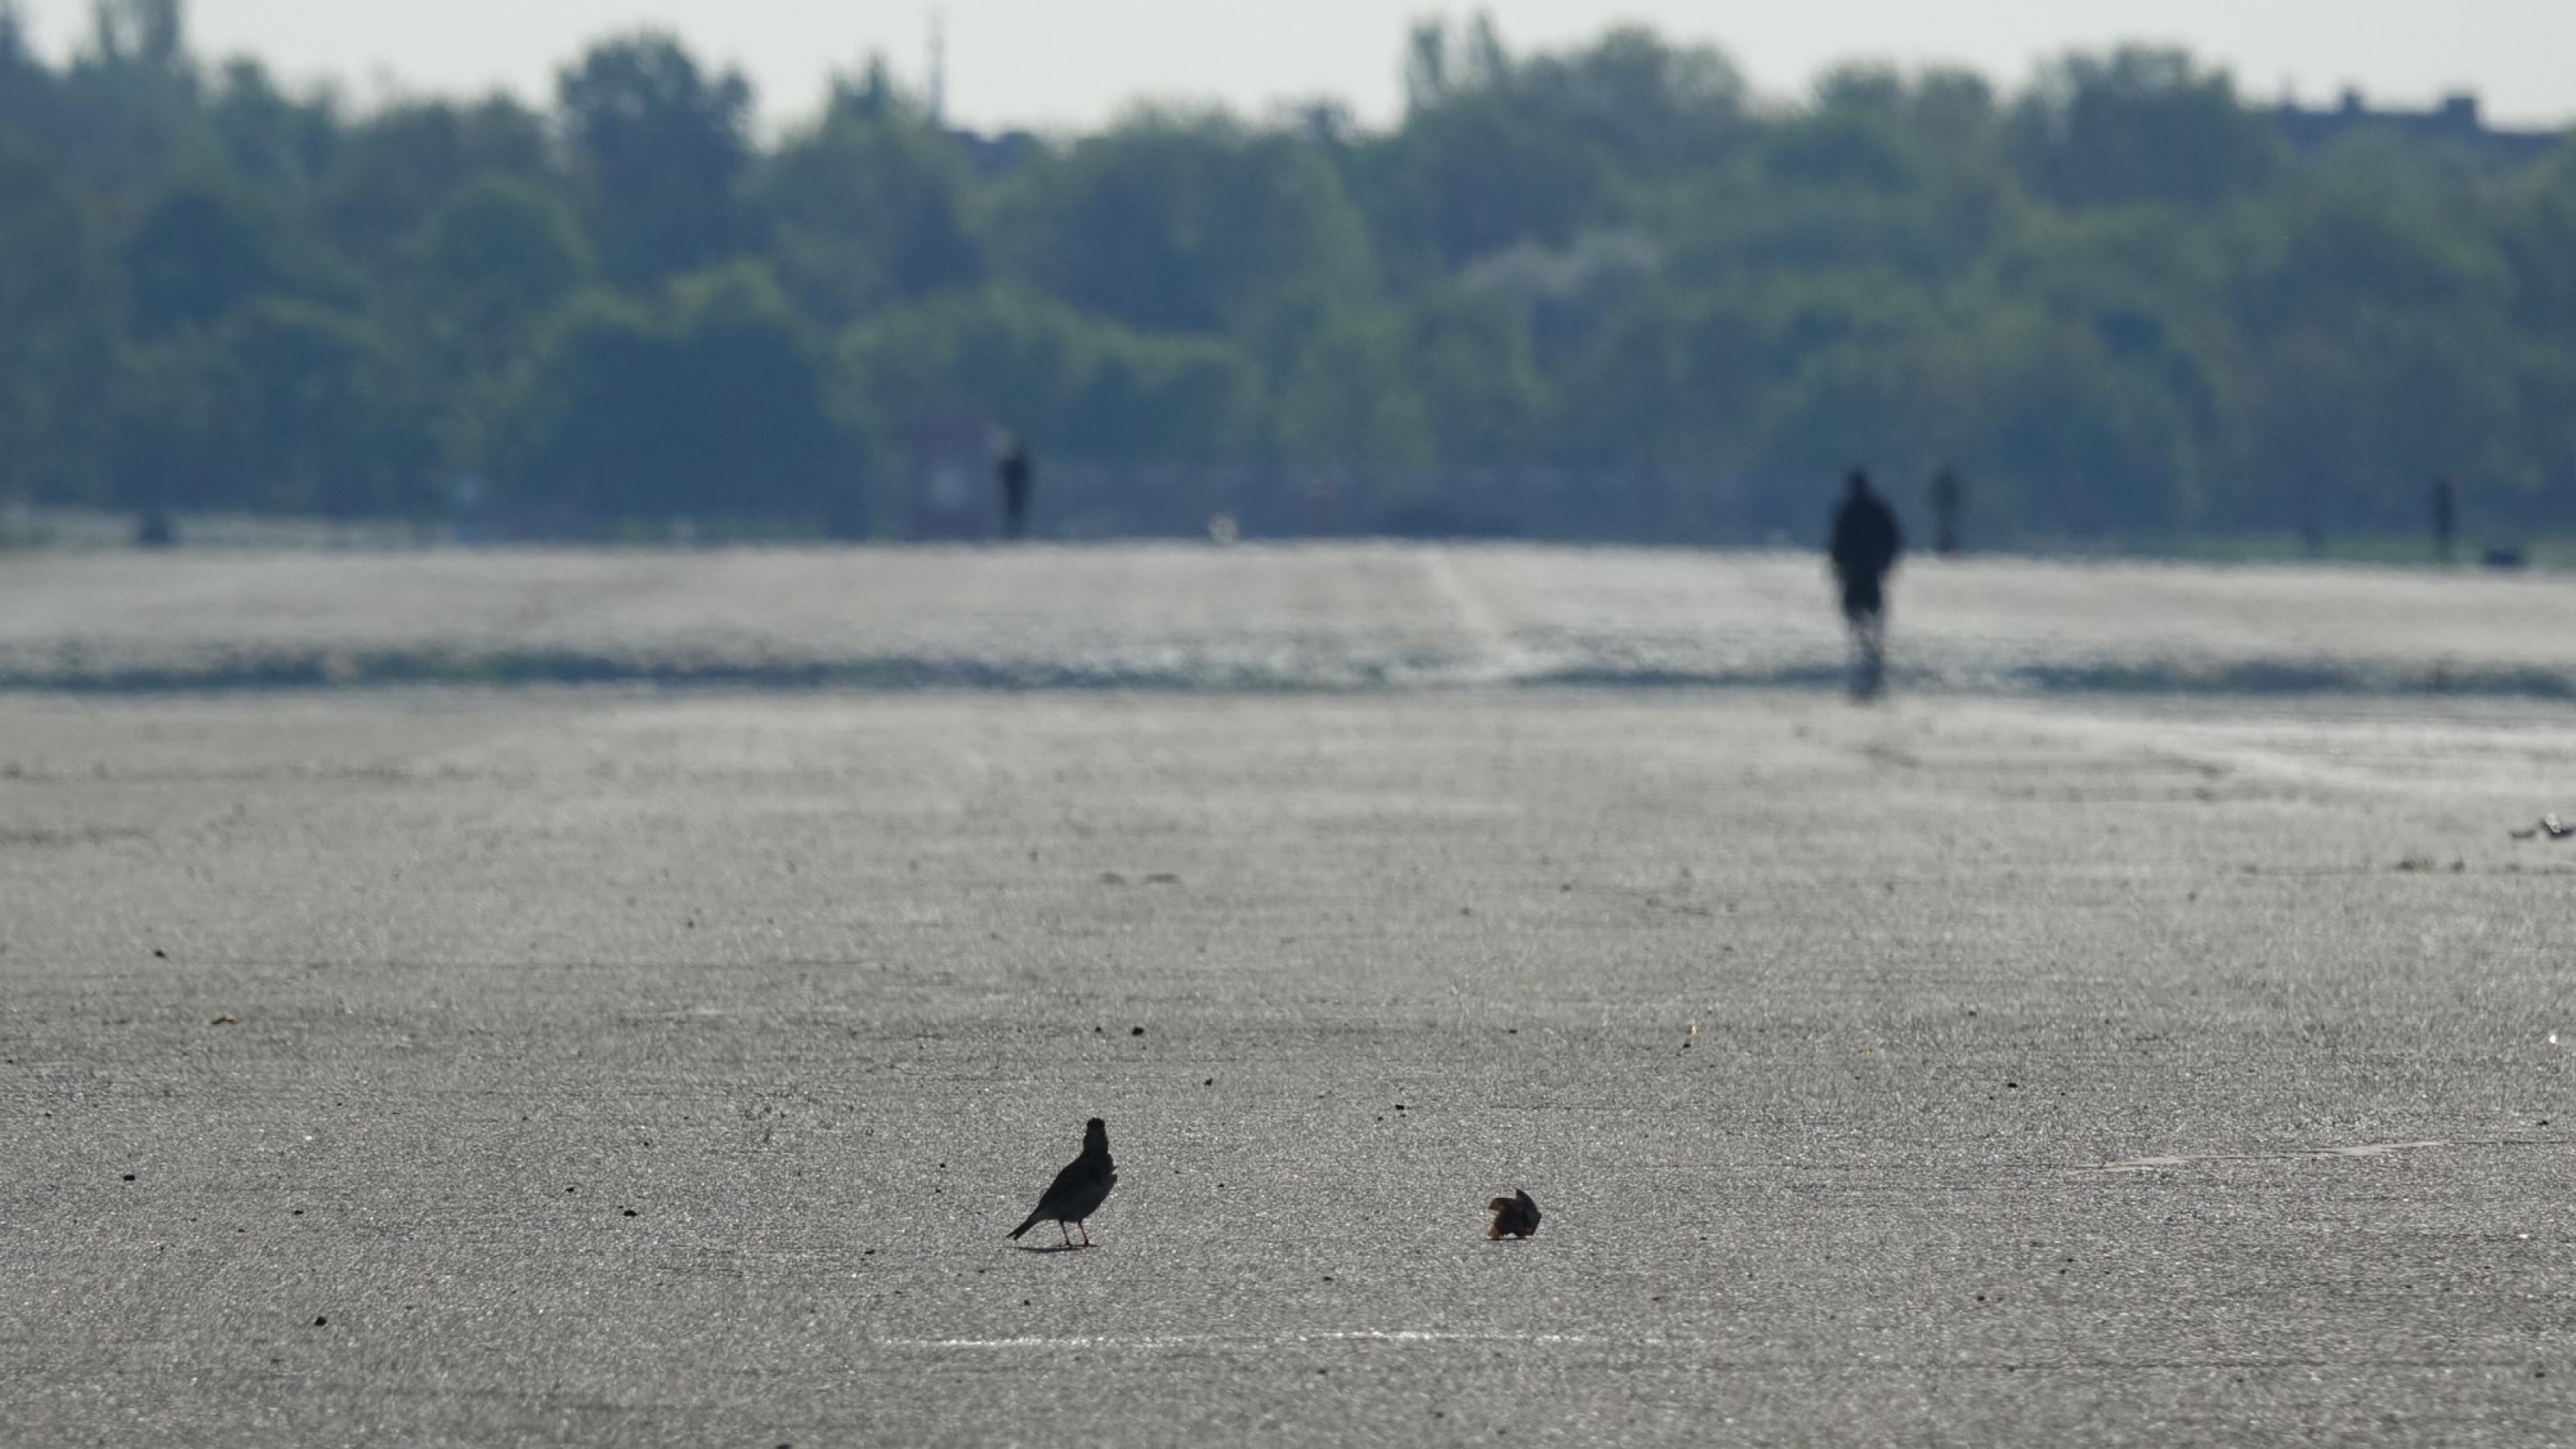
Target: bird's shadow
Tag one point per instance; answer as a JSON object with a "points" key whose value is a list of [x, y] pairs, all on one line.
{"points": [[1052, 1247]]}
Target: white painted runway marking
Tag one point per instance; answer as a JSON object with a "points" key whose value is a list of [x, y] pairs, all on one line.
{"points": [[2167, 1164]]}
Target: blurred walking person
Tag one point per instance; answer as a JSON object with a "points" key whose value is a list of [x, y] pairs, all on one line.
{"points": [[2446, 518], [1018, 475], [1866, 542]]}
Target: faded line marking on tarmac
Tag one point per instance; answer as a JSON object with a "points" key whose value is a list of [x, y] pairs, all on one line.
{"points": [[2167, 1164], [1160, 1343], [1498, 654], [1863, 1363]]}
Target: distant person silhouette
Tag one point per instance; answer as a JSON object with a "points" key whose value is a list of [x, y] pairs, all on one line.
{"points": [[1949, 497], [2446, 518], [1865, 545], [1018, 475]]}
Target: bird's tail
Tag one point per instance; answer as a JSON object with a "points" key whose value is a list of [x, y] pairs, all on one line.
{"points": [[1034, 1219]]}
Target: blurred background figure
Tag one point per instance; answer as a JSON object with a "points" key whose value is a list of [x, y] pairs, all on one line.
{"points": [[1949, 498], [1865, 545], [1018, 475], [2446, 518]]}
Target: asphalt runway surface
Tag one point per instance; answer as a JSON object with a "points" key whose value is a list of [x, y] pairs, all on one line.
{"points": [[1295, 617], [620, 1066]]}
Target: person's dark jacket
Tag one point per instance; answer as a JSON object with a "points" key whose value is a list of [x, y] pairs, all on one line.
{"points": [[1866, 538]]}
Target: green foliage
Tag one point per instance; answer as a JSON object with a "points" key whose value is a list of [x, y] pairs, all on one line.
{"points": [[286, 406], [1182, 223], [497, 257], [661, 148], [870, 208], [270, 138], [711, 396], [57, 295], [392, 171], [317, 407], [1065, 381], [2140, 125], [1498, 151], [129, 111], [1475, 175], [2121, 301], [29, 93], [2535, 233], [196, 255], [1351, 399], [151, 34], [1470, 357]]}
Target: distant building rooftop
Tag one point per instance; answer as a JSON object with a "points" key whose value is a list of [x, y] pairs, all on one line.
{"points": [[2457, 119], [994, 157]]}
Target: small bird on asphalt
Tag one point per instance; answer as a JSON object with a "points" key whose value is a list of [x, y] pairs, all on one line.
{"points": [[1514, 1216], [1080, 1189]]}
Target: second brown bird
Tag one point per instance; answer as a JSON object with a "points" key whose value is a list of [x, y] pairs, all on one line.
{"points": [[1515, 1216]]}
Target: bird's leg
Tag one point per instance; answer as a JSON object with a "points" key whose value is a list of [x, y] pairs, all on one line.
{"points": [[1068, 1237], [1086, 1232]]}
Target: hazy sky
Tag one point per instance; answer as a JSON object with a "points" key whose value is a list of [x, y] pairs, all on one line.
{"points": [[1053, 63]]}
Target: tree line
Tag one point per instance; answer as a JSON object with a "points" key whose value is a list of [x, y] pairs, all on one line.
{"points": [[2117, 299]]}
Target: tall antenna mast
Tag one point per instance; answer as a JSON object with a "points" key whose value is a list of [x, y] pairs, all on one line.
{"points": [[938, 66]]}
